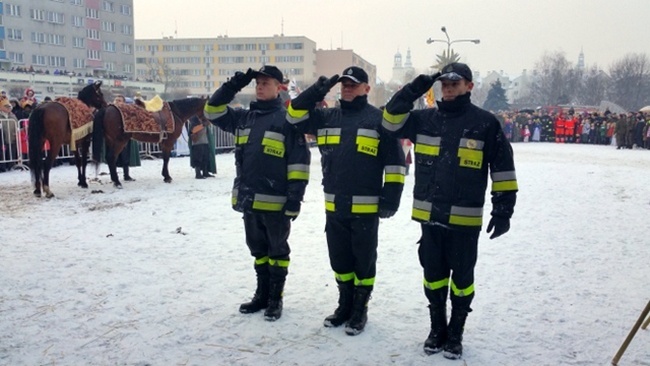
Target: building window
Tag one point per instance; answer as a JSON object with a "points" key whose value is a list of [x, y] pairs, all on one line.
{"points": [[127, 48], [109, 66], [16, 58], [93, 54], [15, 34], [76, 2], [108, 27], [12, 10], [127, 29], [92, 33], [38, 60], [37, 14], [92, 13], [56, 61], [78, 42], [77, 21], [108, 46], [127, 68], [54, 17], [125, 9], [38, 37], [79, 63], [108, 6]]}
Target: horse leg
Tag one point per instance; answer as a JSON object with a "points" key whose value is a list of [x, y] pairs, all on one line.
{"points": [[81, 164], [112, 168], [165, 172], [49, 162]]}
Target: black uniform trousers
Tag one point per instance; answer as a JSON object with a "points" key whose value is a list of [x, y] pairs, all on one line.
{"points": [[266, 237], [443, 251], [352, 246]]}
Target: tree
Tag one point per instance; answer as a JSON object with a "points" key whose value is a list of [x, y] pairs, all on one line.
{"points": [[630, 77], [161, 72], [556, 81], [445, 59], [496, 98], [595, 84]]}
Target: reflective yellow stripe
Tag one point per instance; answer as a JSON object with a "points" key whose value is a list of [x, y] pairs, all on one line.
{"points": [[298, 172], [427, 149], [329, 206], [214, 109], [463, 291], [421, 214], [394, 178], [393, 122], [364, 282], [394, 174], [235, 192], [470, 158], [273, 143], [368, 141], [329, 140], [465, 220], [510, 185], [365, 208], [240, 140], [296, 115], [344, 277], [266, 202], [435, 285], [283, 263], [261, 260]]}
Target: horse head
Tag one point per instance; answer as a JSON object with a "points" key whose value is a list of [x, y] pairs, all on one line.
{"points": [[188, 107], [92, 95]]}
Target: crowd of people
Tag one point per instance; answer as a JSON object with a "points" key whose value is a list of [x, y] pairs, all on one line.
{"points": [[623, 130]]}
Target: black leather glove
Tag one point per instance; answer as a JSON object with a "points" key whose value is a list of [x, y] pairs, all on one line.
{"points": [[240, 80], [423, 83], [291, 209], [501, 225], [385, 213], [323, 85]]}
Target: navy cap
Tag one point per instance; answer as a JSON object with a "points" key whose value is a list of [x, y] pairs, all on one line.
{"points": [[270, 71], [355, 74], [456, 71]]}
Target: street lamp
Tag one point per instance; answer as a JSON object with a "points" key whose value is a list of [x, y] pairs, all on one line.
{"points": [[450, 42]]}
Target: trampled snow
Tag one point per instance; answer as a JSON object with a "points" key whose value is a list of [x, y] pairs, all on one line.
{"points": [[153, 274]]}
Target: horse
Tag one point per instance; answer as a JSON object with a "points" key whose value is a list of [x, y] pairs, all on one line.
{"points": [[108, 127], [51, 121]]}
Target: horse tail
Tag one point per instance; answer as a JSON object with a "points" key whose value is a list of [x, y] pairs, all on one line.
{"points": [[35, 142], [98, 136]]}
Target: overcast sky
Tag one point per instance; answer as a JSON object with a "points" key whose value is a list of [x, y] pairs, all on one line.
{"points": [[514, 34]]}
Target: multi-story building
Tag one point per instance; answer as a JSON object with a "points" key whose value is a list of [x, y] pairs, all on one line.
{"points": [[80, 38], [92, 37], [199, 66], [331, 62]]}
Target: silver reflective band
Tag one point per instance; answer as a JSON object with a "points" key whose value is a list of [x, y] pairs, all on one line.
{"points": [[501, 176], [329, 197], [395, 169], [450, 76], [466, 211], [428, 140], [365, 199], [422, 205], [273, 135], [472, 144], [269, 198], [329, 132], [368, 133]]}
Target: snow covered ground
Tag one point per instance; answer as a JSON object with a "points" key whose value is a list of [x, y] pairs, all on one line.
{"points": [[153, 274]]}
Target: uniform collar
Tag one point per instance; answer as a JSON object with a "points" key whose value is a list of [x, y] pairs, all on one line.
{"points": [[356, 103]]}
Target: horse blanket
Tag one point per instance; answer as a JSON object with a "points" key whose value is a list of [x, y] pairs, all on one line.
{"points": [[80, 117], [136, 119]]}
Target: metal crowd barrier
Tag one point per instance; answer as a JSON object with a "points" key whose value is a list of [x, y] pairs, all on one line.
{"points": [[13, 141]]}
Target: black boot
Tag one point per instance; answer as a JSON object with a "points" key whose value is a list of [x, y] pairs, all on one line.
{"points": [[274, 310], [127, 177], [198, 174], [261, 297], [359, 315], [453, 349], [344, 311], [438, 335]]}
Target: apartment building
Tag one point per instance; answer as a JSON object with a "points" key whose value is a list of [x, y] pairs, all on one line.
{"points": [[200, 65], [93, 37]]}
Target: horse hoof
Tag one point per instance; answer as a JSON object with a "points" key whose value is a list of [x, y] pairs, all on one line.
{"points": [[82, 185], [117, 185], [49, 195], [37, 194], [168, 180]]}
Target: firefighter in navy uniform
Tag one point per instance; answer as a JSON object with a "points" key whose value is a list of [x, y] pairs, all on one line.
{"points": [[272, 164], [456, 146], [363, 177]]}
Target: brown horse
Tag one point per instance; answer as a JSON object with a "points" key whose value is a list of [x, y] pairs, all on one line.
{"points": [[51, 121], [108, 127]]}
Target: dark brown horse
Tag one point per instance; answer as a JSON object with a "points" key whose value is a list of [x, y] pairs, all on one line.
{"points": [[108, 127], [51, 121]]}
